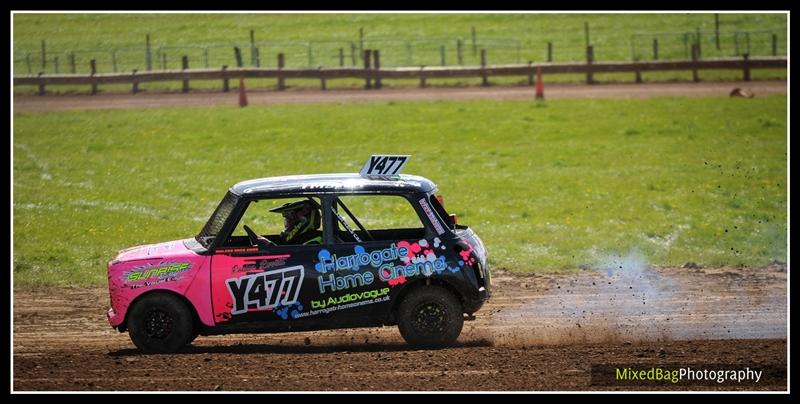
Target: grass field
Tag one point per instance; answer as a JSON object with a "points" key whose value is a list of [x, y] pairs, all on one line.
{"points": [[549, 186], [92, 35]]}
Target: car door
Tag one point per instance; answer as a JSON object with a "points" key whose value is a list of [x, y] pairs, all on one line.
{"points": [[359, 272], [262, 286]]}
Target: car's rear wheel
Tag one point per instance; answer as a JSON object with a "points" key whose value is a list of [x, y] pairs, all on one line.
{"points": [[160, 323], [431, 317]]}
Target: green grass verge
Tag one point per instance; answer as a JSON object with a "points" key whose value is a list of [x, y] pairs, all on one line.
{"points": [[549, 186]]}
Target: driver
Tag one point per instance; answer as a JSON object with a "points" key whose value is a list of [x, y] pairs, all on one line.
{"points": [[301, 222]]}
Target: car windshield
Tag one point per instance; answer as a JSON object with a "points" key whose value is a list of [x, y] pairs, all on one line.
{"points": [[217, 220]]}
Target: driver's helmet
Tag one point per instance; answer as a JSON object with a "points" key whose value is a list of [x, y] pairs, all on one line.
{"points": [[299, 218]]}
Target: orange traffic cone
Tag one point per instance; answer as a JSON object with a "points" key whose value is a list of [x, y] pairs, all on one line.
{"points": [[242, 93], [539, 84]]}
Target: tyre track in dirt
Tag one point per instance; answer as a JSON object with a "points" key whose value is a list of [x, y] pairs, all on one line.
{"points": [[145, 100], [532, 335]]}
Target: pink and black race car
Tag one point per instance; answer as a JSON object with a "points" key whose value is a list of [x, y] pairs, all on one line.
{"points": [[352, 268]]}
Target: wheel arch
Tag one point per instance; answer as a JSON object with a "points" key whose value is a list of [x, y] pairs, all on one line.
{"points": [[419, 283], [196, 324]]}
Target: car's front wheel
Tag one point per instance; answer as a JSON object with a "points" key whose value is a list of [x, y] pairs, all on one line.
{"points": [[430, 316], [160, 323]]}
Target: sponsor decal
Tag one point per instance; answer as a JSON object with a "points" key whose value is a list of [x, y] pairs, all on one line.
{"points": [[150, 274], [266, 290], [347, 301], [261, 264], [293, 310], [432, 217], [348, 298], [329, 265], [421, 252], [236, 250], [332, 263], [418, 258], [389, 272]]}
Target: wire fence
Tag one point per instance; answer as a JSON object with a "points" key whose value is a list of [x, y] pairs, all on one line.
{"points": [[671, 45], [399, 52]]}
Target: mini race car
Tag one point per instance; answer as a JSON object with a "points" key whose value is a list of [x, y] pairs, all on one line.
{"points": [[348, 266]]}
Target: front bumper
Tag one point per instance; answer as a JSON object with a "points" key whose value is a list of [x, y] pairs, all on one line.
{"points": [[113, 318], [473, 305]]}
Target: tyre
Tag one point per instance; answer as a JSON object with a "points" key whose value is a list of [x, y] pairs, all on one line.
{"points": [[431, 317], [160, 323], [192, 337]]}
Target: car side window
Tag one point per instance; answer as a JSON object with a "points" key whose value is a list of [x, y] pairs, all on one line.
{"points": [[375, 218], [281, 221]]}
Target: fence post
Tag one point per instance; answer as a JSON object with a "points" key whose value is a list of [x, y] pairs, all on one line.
{"points": [[321, 79], [28, 62], [441, 53], [238, 54], [258, 57], [530, 73], [699, 48], [281, 63], [638, 72], [72, 63], [41, 84], [589, 62], [114, 60], [225, 85], [746, 67], [655, 48], [93, 70], [135, 83], [185, 65], [148, 56], [367, 55], [422, 82], [474, 43], [747, 41], [695, 57], [377, 65], [459, 52], [205, 57], [485, 81], [252, 48], [361, 42], [774, 44], [44, 57], [586, 30], [549, 52], [341, 57], [716, 28], [55, 64]]}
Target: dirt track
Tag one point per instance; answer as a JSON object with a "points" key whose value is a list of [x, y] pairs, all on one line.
{"points": [[32, 103], [536, 333]]}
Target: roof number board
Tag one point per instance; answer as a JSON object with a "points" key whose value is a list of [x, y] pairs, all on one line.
{"points": [[383, 165]]}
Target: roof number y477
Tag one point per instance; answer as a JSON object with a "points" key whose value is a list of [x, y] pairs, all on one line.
{"points": [[384, 165]]}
